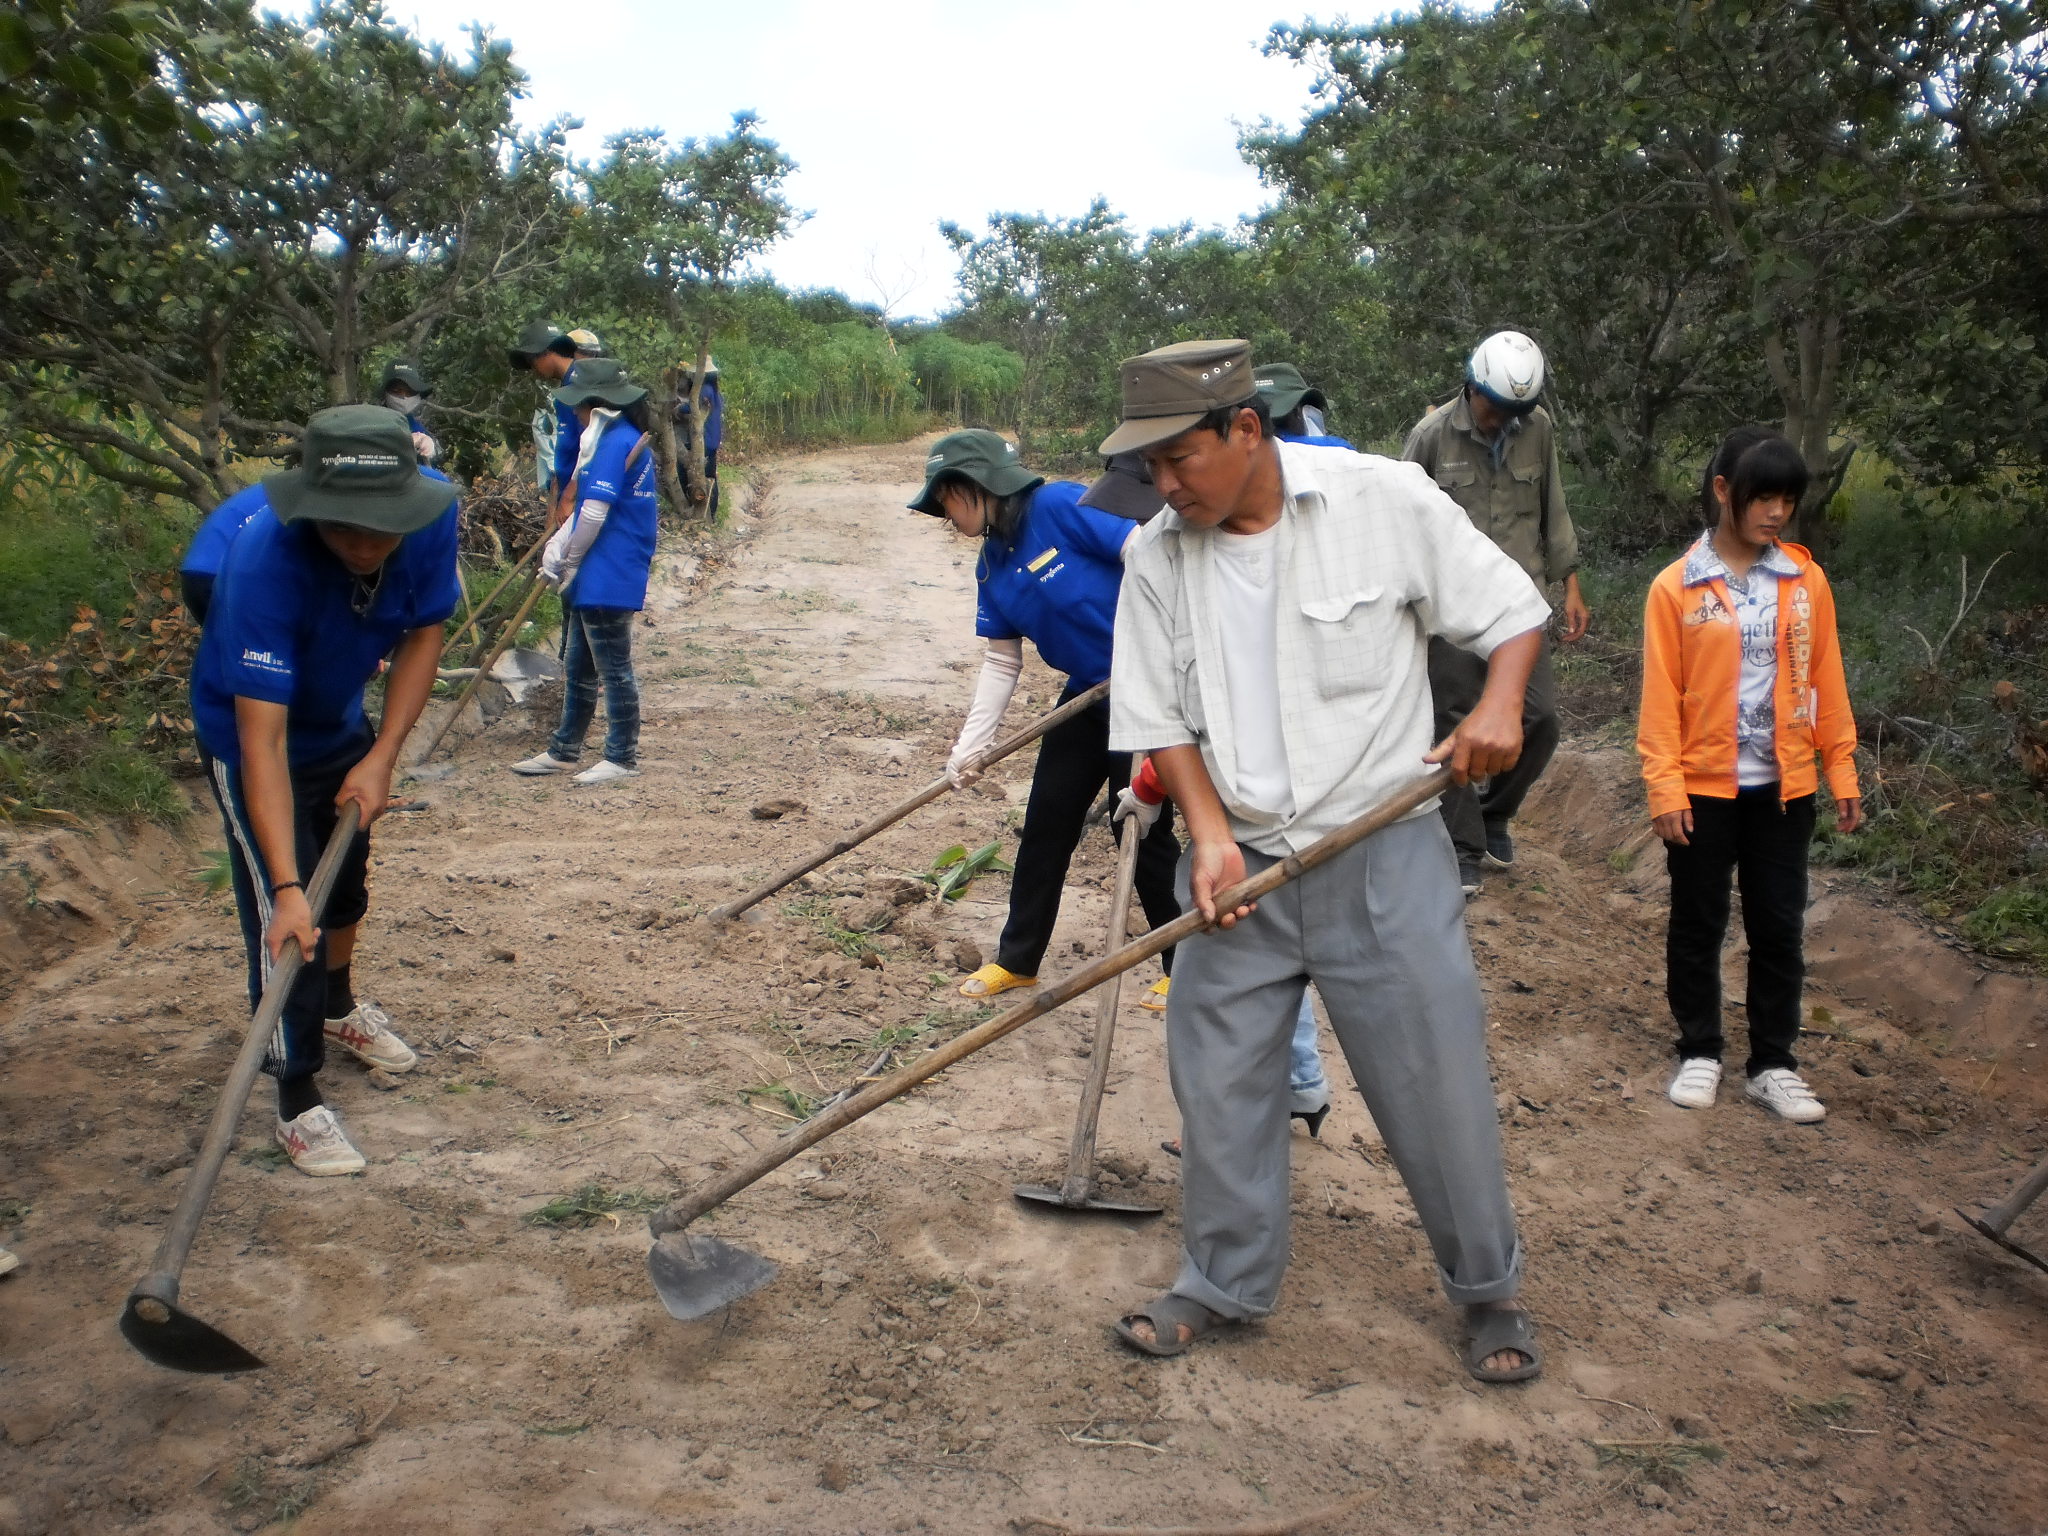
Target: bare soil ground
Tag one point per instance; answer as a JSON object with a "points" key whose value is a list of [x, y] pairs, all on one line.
{"points": [[1749, 1324]]}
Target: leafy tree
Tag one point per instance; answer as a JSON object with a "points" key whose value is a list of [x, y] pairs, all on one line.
{"points": [[669, 231]]}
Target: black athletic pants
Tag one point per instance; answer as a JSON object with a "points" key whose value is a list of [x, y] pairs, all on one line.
{"points": [[1074, 762], [1763, 846]]}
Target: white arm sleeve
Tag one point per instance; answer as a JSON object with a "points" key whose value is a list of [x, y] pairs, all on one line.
{"points": [[1000, 668]]}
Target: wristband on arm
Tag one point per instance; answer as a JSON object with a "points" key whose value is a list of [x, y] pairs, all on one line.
{"points": [[286, 885]]}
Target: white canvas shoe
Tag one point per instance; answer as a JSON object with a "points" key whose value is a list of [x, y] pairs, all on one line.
{"points": [[317, 1144], [365, 1033], [1784, 1092], [606, 772], [1698, 1080], [8, 1260], [540, 763]]}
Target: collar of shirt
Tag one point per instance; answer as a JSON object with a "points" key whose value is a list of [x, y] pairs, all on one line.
{"points": [[1703, 563]]}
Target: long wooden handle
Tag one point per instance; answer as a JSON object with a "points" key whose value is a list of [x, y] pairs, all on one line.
{"points": [[503, 582], [169, 1264], [1081, 1150], [923, 797], [681, 1212], [484, 671], [2024, 1194]]}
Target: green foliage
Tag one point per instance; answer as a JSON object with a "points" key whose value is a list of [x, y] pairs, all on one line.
{"points": [[592, 1203], [955, 869]]}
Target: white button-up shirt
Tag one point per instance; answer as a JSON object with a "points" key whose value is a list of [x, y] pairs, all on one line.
{"points": [[1373, 560]]}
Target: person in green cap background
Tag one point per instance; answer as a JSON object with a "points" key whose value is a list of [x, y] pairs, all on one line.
{"points": [[1270, 656], [352, 560], [550, 354], [598, 560], [404, 389], [1300, 411], [1049, 572]]}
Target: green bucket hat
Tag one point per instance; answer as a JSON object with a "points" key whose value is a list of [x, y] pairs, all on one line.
{"points": [[358, 467], [537, 338], [976, 455], [1285, 389], [406, 374], [601, 379]]}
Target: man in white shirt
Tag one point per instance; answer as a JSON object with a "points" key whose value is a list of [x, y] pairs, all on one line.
{"points": [[1270, 654]]}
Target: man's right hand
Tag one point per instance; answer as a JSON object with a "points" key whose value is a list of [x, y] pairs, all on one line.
{"points": [[1216, 867], [291, 917]]}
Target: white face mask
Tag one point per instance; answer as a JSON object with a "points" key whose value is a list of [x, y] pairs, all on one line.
{"points": [[403, 403]]}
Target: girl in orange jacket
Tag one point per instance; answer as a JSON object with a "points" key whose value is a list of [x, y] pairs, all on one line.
{"points": [[1742, 691]]}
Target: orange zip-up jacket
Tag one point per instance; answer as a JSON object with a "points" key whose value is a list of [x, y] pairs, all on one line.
{"points": [[1692, 664]]}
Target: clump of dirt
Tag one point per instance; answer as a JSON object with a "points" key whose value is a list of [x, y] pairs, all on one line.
{"points": [[1749, 1324]]}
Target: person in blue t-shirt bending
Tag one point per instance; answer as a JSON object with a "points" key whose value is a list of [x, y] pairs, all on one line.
{"points": [[714, 424], [208, 550], [1049, 573], [598, 560], [354, 560], [551, 356], [404, 389], [1300, 411]]}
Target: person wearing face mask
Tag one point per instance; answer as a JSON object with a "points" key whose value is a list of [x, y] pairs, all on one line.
{"points": [[1048, 572], [404, 389], [350, 559], [598, 560]]}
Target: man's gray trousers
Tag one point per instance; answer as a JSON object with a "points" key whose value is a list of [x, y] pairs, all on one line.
{"points": [[1381, 931]]}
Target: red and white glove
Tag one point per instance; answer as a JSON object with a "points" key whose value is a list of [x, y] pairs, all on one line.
{"points": [[1144, 800]]}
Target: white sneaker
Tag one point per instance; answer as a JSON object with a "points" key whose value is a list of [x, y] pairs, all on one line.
{"points": [[9, 1260], [1699, 1078], [540, 763], [317, 1145], [1784, 1092], [605, 772], [365, 1033]]}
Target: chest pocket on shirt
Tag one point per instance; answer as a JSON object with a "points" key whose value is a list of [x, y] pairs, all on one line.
{"points": [[1350, 637]]}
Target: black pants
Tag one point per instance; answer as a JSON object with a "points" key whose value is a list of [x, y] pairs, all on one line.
{"points": [[1764, 847], [1456, 680], [298, 1048], [1074, 762]]}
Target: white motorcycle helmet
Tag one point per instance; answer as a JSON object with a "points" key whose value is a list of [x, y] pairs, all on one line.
{"points": [[1507, 368]]}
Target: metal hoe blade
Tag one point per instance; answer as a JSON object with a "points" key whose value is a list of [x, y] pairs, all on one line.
{"points": [[165, 1334], [695, 1275], [1088, 1200], [1998, 1236]]}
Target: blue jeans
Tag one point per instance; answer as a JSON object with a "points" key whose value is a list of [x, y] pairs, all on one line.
{"points": [[1307, 1089], [599, 652]]}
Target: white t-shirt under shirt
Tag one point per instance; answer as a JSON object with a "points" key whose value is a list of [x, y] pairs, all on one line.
{"points": [[1247, 615]]}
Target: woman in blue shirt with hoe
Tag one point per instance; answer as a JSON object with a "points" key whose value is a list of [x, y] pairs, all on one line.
{"points": [[1049, 573]]}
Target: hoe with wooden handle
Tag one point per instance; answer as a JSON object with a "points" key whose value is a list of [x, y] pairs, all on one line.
{"points": [[896, 813], [1080, 1192], [695, 1274], [152, 1321], [1996, 1222]]}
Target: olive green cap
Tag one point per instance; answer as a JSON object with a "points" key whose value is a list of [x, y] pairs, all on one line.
{"points": [[977, 455], [359, 467], [1285, 389], [599, 378], [541, 336], [1170, 389]]}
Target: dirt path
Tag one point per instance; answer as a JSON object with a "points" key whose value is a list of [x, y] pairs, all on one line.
{"points": [[934, 1356]]}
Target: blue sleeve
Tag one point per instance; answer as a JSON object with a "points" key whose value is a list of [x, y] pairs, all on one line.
{"points": [[568, 438], [209, 548], [430, 552], [989, 622], [714, 418], [256, 610], [1086, 530]]}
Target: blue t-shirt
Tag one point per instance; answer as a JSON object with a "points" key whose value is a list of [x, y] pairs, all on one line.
{"points": [[209, 547], [614, 570], [1054, 581], [714, 416], [568, 440], [283, 628], [1315, 442]]}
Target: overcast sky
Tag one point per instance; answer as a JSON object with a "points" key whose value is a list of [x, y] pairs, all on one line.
{"points": [[907, 112]]}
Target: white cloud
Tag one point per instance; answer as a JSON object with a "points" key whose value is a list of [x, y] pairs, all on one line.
{"points": [[903, 114]]}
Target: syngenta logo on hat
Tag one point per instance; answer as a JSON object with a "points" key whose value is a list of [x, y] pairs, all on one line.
{"points": [[934, 462], [371, 461]]}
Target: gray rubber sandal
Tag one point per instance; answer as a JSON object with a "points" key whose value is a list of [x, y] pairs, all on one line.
{"points": [[1166, 1315], [1489, 1332]]}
